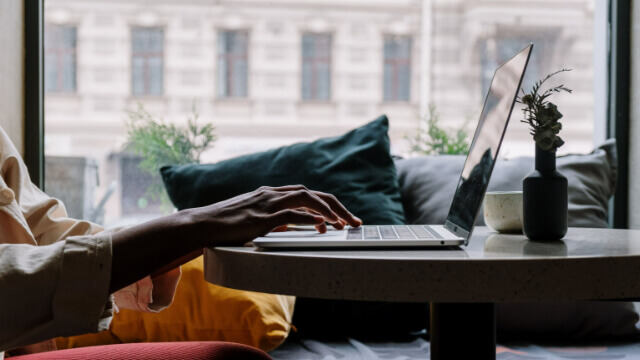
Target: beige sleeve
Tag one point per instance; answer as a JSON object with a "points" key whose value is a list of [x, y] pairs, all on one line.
{"points": [[46, 217], [60, 289], [47, 220]]}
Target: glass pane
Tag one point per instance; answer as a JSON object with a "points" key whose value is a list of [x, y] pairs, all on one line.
{"points": [[308, 45], [390, 47], [239, 43], [260, 62], [69, 37], [138, 87], [155, 76], [50, 72], [307, 69], [222, 78], [240, 78], [404, 82], [323, 81], [68, 70]]}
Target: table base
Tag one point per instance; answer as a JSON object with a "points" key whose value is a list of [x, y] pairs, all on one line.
{"points": [[463, 331]]}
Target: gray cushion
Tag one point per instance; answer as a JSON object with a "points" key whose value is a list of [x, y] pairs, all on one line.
{"points": [[427, 185]]}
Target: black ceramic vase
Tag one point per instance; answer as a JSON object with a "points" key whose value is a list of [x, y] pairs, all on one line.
{"points": [[545, 200]]}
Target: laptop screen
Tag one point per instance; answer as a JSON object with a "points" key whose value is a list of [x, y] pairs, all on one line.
{"points": [[486, 143]]}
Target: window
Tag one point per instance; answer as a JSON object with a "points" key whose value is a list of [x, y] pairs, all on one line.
{"points": [[397, 68], [60, 58], [293, 86], [316, 66], [232, 63], [147, 61]]}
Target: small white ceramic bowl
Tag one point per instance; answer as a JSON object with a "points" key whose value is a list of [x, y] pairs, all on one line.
{"points": [[503, 211]]}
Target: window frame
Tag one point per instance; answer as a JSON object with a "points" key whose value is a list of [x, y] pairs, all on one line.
{"points": [[619, 103], [34, 90]]}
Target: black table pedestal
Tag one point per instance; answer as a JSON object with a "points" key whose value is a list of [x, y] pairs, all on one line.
{"points": [[463, 331]]}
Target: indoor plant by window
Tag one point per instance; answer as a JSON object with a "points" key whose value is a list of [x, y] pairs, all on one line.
{"points": [[545, 201]]}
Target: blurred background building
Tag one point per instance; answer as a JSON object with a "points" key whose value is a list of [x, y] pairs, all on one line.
{"points": [[273, 72]]}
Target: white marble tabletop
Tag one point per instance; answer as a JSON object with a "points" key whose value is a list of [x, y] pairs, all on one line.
{"points": [[586, 264]]}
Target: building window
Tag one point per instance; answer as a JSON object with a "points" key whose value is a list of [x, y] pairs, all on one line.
{"points": [[232, 63], [60, 58], [397, 68], [316, 67], [147, 69]]}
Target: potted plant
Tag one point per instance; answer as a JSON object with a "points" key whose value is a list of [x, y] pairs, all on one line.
{"points": [[545, 199]]}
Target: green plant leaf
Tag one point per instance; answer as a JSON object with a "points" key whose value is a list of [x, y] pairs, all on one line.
{"points": [[431, 139], [159, 143]]}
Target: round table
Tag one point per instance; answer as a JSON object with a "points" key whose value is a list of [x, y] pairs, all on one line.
{"points": [[462, 284]]}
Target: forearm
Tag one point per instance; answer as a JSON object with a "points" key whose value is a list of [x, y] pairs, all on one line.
{"points": [[153, 247], [158, 245]]}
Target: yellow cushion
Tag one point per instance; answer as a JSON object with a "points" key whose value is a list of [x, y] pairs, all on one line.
{"points": [[201, 312]]}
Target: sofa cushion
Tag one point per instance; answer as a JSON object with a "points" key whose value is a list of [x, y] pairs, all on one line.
{"points": [[428, 183], [356, 167]]}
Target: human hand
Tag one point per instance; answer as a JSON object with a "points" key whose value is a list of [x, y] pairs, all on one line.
{"points": [[247, 216]]}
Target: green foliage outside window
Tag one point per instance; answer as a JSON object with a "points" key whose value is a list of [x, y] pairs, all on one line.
{"points": [[432, 139], [160, 143]]}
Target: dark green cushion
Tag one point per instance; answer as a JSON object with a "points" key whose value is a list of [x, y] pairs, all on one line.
{"points": [[356, 167]]}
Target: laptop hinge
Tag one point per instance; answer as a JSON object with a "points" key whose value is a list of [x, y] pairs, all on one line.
{"points": [[457, 230]]}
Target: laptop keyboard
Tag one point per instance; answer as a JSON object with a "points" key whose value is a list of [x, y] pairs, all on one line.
{"points": [[390, 232]]}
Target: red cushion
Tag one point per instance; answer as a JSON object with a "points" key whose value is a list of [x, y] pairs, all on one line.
{"points": [[210, 350]]}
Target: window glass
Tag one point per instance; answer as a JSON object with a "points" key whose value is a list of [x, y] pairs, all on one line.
{"points": [[233, 63], [266, 74], [147, 73], [397, 68], [316, 66], [60, 58]]}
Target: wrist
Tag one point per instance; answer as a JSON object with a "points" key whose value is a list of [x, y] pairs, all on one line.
{"points": [[188, 224]]}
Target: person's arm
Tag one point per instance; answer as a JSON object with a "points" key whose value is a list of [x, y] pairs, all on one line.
{"points": [[167, 242]]}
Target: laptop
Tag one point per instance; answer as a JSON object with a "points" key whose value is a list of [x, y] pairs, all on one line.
{"points": [[469, 194]]}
